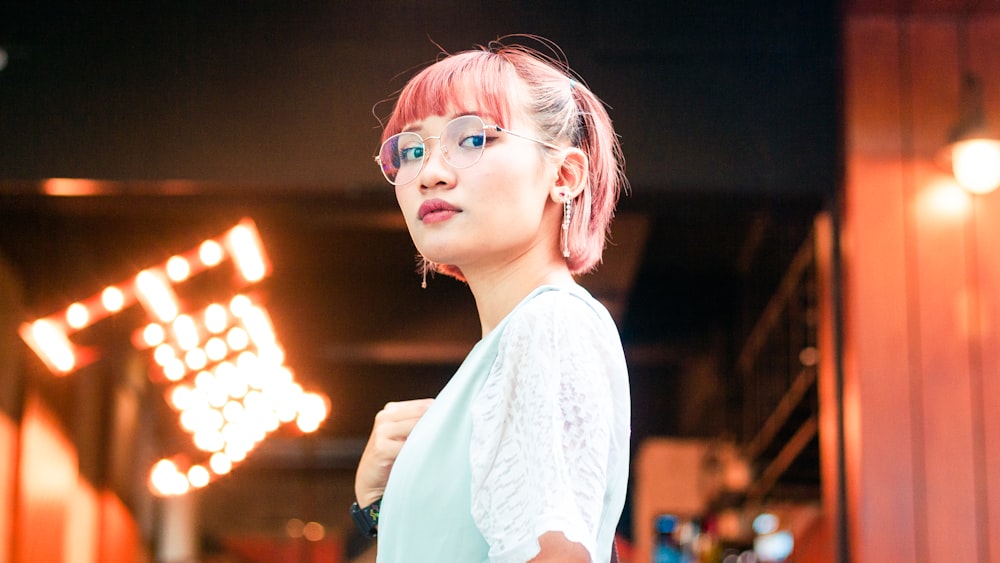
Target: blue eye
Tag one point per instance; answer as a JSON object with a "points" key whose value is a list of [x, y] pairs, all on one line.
{"points": [[473, 141], [411, 153]]}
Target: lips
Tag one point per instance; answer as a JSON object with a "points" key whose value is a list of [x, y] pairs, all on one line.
{"points": [[435, 210]]}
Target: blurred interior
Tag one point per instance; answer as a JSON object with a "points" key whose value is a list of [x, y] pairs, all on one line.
{"points": [[808, 302]]}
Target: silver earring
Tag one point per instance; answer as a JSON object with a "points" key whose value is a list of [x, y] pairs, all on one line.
{"points": [[564, 235]]}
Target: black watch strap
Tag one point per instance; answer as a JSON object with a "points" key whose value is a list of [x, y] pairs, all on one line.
{"points": [[367, 518]]}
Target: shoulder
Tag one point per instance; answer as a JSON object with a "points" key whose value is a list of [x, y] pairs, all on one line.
{"points": [[565, 309], [560, 330]]}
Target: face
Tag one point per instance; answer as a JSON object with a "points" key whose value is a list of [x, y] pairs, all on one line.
{"points": [[489, 214]]}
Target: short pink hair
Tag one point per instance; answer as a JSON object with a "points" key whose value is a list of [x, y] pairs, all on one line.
{"points": [[505, 79]]}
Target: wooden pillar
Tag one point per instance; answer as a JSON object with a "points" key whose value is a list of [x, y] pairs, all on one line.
{"points": [[921, 369]]}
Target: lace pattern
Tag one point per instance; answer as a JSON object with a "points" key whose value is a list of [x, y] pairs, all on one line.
{"points": [[545, 432]]}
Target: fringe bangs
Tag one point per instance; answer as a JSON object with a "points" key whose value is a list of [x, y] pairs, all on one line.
{"points": [[477, 82]]}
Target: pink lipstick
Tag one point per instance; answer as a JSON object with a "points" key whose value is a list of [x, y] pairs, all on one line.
{"points": [[436, 210]]}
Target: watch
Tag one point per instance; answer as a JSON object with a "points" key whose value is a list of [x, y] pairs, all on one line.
{"points": [[366, 518]]}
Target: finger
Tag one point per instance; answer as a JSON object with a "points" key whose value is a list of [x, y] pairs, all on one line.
{"points": [[407, 409], [386, 452], [394, 430], [399, 412]]}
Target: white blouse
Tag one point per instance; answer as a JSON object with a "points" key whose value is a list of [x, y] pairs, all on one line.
{"points": [[531, 435]]}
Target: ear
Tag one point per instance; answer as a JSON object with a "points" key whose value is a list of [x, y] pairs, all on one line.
{"points": [[571, 177]]}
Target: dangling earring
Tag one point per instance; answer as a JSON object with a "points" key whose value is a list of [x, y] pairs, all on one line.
{"points": [[564, 235], [423, 264]]}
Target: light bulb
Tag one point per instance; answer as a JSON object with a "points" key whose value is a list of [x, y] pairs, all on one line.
{"points": [[976, 164]]}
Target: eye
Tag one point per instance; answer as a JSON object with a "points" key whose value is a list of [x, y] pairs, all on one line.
{"points": [[473, 140], [412, 153]]}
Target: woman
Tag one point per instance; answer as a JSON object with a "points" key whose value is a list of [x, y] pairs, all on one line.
{"points": [[507, 171]]}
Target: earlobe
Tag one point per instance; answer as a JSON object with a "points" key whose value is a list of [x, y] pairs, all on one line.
{"points": [[571, 178]]}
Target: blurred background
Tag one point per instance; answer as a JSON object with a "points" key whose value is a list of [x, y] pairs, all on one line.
{"points": [[132, 133]]}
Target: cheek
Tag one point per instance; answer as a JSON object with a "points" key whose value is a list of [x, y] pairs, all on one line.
{"points": [[404, 198], [407, 202]]}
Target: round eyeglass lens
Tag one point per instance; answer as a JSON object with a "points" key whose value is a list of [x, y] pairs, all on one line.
{"points": [[401, 157], [463, 141]]}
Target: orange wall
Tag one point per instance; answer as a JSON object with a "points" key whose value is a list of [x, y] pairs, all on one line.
{"points": [[921, 281], [47, 479], [8, 453], [57, 516]]}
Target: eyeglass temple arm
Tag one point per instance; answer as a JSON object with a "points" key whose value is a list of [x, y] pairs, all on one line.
{"points": [[509, 132]]}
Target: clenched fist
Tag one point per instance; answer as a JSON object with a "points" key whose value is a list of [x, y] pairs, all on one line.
{"points": [[391, 429]]}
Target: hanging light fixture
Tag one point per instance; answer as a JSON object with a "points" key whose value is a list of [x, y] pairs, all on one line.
{"points": [[973, 149]]}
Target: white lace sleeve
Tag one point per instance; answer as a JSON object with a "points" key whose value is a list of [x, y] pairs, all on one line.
{"points": [[542, 428]]}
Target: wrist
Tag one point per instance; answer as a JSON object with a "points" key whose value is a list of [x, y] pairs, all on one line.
{"points": [[366, 517], [368, 497]]}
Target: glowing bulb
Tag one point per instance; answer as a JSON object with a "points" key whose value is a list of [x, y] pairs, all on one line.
{"points": [[307, 425], [259, 326], [218, 396], [239, 305], [156, 296], [271, 423], [162, 471], [153, 335], [216, 318], [220, 463], [195, 359], [54, 345], [210, 253], [197, 400], [180, 397], [247, 253], [204, 380], [174, 370], [271, 354], [216, 349], [164, 354], [178, 269], [166, 480], [209, 441], [237, 338], [198, 476], [113, 299], [976, 165], [246, 360], [186, 332], [201, 419], [77, 315], [233, 411], [236, 453], [312, 405]]}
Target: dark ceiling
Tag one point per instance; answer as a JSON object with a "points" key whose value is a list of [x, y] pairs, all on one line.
{"points": [[192, 115]]}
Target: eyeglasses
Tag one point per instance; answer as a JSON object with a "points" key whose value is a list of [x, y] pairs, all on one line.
{"points": [[462, 142]]}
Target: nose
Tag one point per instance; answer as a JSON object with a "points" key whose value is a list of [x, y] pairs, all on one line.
{"points": [[436, 171]]}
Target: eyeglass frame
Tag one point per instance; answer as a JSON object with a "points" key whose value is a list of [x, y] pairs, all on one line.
{"points": [[444, 153]]}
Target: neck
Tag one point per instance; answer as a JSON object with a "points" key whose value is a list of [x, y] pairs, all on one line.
{"points": [[498, 290]]}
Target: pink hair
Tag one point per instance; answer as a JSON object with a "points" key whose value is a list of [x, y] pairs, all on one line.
{"points": [[503, 79]]}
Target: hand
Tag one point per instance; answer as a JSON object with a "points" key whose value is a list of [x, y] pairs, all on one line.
{"points": [[391, 429], [555, 547]]}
